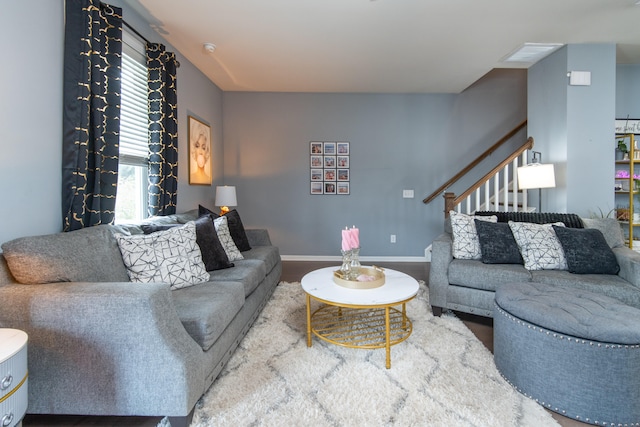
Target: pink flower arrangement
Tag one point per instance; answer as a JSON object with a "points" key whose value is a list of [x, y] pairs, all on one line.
{"points": [[623, 174]]}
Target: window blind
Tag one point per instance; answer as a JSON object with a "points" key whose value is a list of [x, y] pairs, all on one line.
{"points": [[134, 116]]}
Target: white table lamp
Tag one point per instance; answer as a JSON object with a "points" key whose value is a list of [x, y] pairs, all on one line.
{"points": [[225, 197], [536, 175]]}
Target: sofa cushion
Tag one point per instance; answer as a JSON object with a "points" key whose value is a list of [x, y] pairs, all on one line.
{"points": [[170, 256], [236, 228], [610, 285], [465, 237], [87, 255], [539, 246], [270, 255], [587, 251], [249, 272], [610, 228], [222, 228], [497, 243], [475, 274], [207, 309]]}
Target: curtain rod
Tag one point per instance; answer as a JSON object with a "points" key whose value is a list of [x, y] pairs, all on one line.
{"points": [[135, 31], [144, 38]]}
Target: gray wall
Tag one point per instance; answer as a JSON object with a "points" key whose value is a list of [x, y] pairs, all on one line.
{"points": [[573, 126], [628, 91], [31, 37], [397, 142]]}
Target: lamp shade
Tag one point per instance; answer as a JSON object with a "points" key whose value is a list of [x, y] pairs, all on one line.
{"points": [[536, 176], [226, 196]]}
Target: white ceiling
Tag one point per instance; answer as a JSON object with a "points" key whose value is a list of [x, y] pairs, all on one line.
{"points": [[384, 46]]}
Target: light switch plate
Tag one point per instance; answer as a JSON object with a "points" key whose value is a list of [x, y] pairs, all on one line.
{"points": [[407, 194]]}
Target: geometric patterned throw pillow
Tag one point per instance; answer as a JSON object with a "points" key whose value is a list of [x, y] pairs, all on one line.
{"points": [[539, 245], [224, 235], [170, 256], [466, 244]]}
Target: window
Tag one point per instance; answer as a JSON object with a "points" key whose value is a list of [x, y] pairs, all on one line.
{"points": [[133, 193]]}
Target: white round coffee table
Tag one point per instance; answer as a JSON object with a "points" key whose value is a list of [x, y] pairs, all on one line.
{"points": [[359, 318]]}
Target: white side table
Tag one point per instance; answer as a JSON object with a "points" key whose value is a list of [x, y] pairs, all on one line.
{"points": [[13, 377]]}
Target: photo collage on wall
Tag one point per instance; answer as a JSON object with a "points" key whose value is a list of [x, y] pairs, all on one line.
{"points": [[329, 163]]}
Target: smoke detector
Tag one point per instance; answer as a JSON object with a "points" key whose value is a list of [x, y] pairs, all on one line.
{"points": [[209, 47]]}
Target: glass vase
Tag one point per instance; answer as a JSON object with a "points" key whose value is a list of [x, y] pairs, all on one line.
{"points": [[355, 263], [345, 269]]}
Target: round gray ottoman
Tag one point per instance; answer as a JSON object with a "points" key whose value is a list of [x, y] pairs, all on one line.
{"points": [[575, 352]]}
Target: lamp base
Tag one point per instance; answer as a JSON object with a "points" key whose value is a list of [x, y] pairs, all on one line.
{"points": [[223, 210]]}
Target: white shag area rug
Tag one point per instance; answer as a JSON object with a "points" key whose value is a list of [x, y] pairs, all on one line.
{"points": [[442, 375]]}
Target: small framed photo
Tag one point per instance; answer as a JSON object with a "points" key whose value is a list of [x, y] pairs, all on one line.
{"points": [[329, 188], [330, 148], [316, 161], [316, 174], [342, 148], [329, 161], [329, 174], [199, 152], [343, 174], [315, 147], [317, 187], [343, 187], [343, 161]]}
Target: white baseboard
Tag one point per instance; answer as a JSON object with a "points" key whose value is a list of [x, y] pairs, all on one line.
{"points": [[363, 259]]}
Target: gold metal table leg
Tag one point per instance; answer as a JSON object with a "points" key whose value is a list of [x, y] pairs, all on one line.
{"points": [[387, 325], [404, 316], [308, 320]]}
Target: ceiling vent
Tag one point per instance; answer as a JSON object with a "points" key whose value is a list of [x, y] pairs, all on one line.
{"points": [[530, 53]]}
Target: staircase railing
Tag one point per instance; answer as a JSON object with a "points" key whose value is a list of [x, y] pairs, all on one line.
{"points": [[500, 188], [496, 190]]}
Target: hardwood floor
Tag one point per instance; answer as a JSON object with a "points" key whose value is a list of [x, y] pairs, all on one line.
{"points": [[293, 271]]}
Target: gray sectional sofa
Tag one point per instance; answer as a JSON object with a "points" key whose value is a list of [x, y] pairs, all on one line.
{"points": [[469, 285], [102, 345]]}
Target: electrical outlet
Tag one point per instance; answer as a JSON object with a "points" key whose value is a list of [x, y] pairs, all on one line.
{"points": [[393, 238], [407, 194]]}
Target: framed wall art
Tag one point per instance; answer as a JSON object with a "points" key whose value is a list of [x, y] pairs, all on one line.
{"points": [[329, 163], [199, 152]]}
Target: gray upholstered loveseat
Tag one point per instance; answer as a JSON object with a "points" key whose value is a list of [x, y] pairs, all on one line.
{"points": [[468, 285], [102, 345]]}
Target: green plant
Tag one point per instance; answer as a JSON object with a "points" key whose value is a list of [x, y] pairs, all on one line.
{"points": [[622, 146], [601, 214]]}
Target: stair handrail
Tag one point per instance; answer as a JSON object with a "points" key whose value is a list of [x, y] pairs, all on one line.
{"points": [[451, 201], [474, 163]]}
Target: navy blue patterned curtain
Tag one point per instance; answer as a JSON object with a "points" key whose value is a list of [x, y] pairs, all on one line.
{"points": [[91, 113], [163, 130]]}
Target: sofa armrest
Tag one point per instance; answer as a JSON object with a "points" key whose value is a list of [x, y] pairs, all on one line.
{"points": [[441, 257], [108, 348], [258, 237], [629, 261]]}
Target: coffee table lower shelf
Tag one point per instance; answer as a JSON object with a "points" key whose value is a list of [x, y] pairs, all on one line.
{"points": [[359, 326]]}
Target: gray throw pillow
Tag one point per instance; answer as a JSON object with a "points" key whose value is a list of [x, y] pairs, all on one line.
{"points": [[87, 255], [587, 251], [497, 244], [610, 228]]}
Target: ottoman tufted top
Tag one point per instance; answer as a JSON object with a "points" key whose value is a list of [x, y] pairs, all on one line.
{"points": [[573, 312]]}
